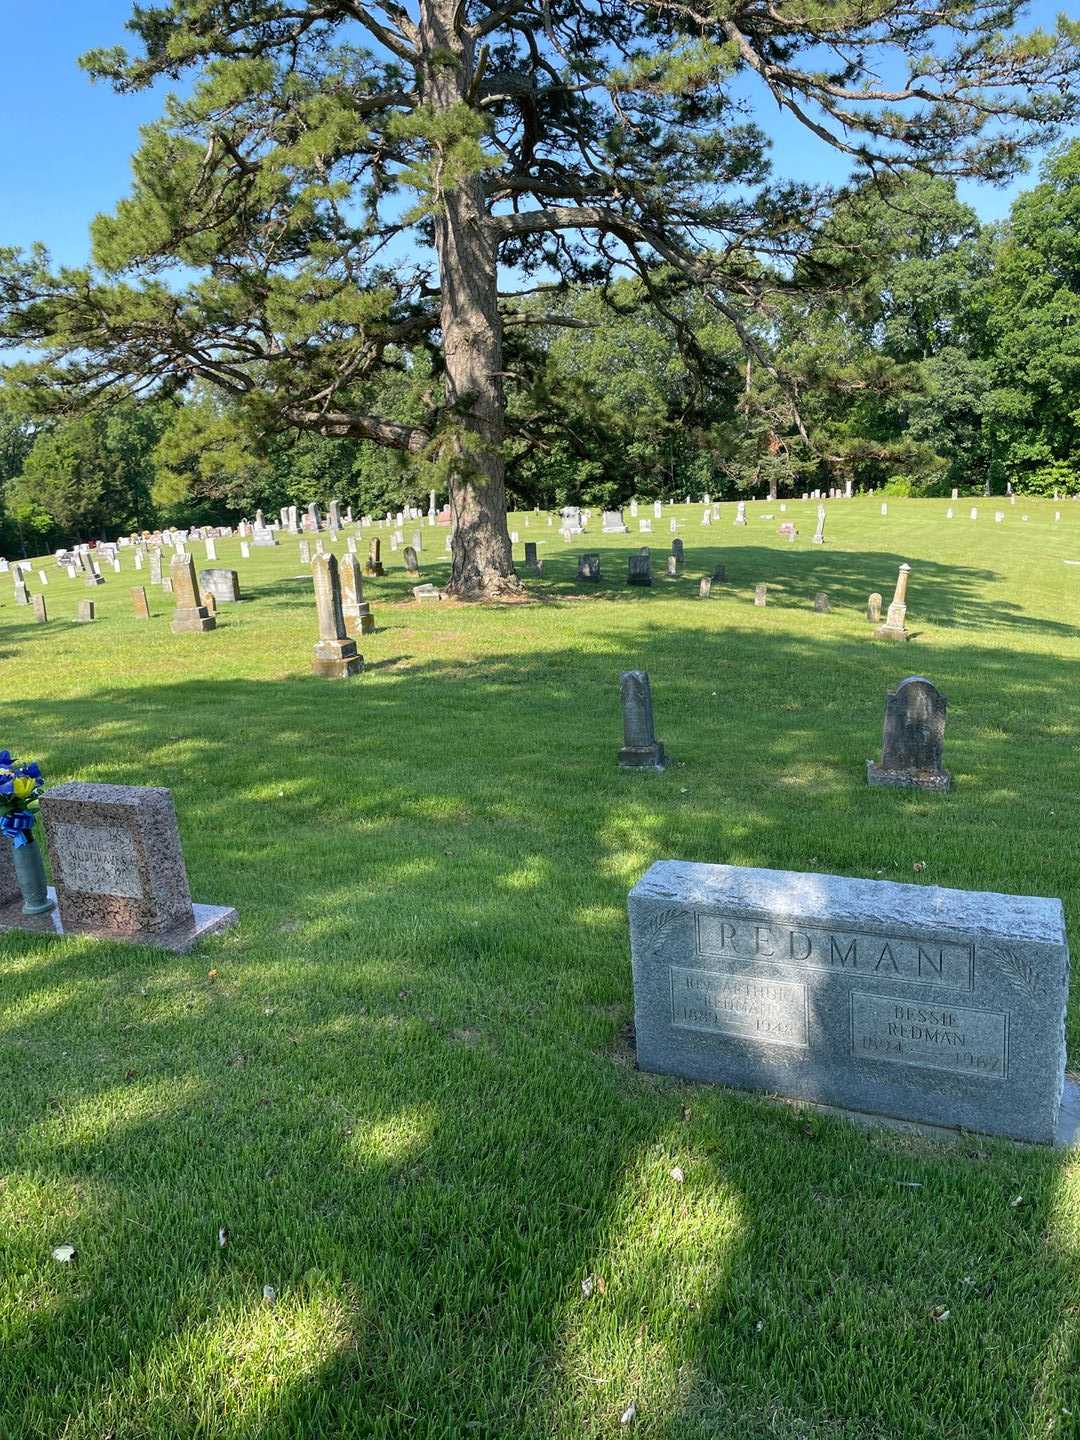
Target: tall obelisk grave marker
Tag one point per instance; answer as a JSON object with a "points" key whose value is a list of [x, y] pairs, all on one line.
{"points": [[940, 1006]]}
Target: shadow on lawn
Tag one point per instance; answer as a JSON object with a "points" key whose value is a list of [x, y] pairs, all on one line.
{"points": [[408, 1095]]}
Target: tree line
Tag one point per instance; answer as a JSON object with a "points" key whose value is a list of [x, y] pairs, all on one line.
{"points": [[948, 354]]}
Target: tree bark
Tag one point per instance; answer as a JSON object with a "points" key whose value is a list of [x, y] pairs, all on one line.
{"points": [[466, 247]]}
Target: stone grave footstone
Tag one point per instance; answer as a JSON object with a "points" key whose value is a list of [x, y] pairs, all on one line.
{"points": [[426, 592], [821, 602], [640, 749], [761, 594], [118, 868], [939, 1007], [913, 739]]}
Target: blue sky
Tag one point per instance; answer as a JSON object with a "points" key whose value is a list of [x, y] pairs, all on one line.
{"points": [[65, 143]]}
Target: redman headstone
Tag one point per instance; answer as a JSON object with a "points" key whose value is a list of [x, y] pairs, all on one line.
{"points": [[942, 1007]]}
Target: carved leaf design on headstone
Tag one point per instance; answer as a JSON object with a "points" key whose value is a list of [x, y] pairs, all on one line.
{"points": [[658, 926], [1019, 972]]}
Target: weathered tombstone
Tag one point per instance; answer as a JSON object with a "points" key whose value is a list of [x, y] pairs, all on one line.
{"points": [[955, 493], [645, 527], [999, 516], [740, 513], [633, 509], [819, 533], [119, 869], [223, 585], [166, 584], [264, 537], [873, 609], [672, 567], [43, 577], [640, 749], [821, 602], [895, 627], [761, 594], [657, 509], [974, 514], [704, 588], [211, 549], [350, 544], [190, 613], [941, 1007], [613, 523], [412, 566], [354, 608], [719, 575], [305, 553], [949, 513], [94, 575], [884, 507], [424, 592], [41, 613], [678, 550], [914, 736], [155, 567], [22, 594], [639, 570], [374, 562], [245, 550], [335, 515], [85, 612], [588, 567], [335, 653]]}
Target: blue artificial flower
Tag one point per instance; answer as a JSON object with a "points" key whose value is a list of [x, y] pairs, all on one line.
{"points": [[5, 757], [33, 770], [17, 827], [7, 785]]}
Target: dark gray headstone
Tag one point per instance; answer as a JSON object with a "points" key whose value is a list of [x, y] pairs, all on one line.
{"points": [[639, 570], [412, 566], [641, 749], [719, 575], [821, 601], [677, 550], [588, 566], [913, 740]]}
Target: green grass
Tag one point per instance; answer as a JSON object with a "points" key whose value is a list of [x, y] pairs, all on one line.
{"points": [[409, 1091]]}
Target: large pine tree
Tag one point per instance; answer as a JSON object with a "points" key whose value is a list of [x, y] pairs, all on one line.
{"points": [[340, 182]]}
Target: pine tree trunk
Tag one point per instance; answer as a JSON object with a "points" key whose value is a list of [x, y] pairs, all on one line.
{"points": [[482, 562]]}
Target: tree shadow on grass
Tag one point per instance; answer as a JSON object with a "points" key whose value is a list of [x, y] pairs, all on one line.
{"points": [[408, 1094]]}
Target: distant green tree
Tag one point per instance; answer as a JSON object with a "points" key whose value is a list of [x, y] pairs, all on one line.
{"points": [[1033, 329], [88, 477]]}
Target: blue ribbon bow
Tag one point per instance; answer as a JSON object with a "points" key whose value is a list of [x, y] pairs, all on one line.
{"points": [[17, 826]]}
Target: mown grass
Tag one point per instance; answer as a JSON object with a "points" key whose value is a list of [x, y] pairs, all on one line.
{"points": [[408, 1088]]}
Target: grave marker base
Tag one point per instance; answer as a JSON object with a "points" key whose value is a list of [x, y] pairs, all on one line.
{"points": [[939, 780], [207, 920]]}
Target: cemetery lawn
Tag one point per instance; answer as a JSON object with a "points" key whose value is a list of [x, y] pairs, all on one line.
{"points": [[406, 1084]]}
